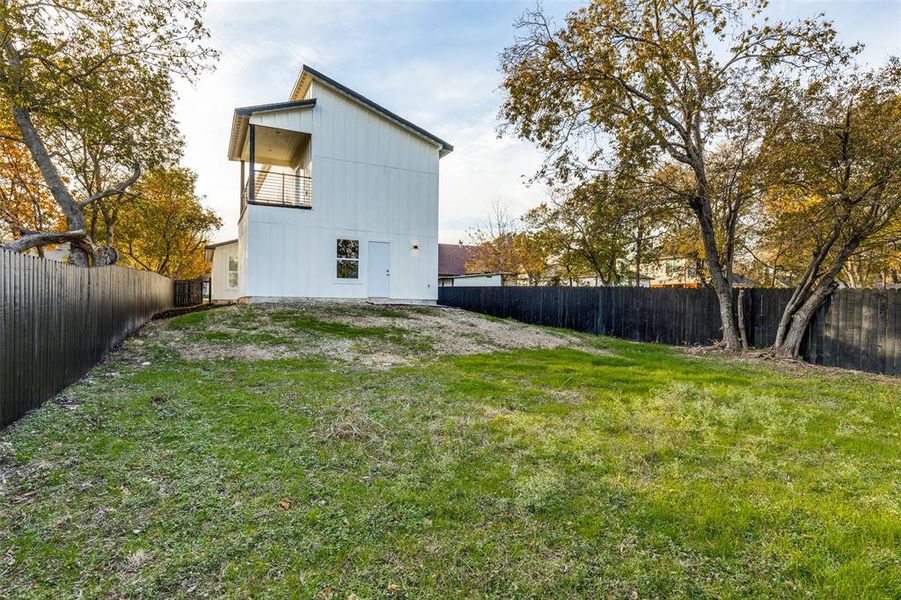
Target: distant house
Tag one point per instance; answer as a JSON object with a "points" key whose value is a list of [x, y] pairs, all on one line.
{"points": [[338, 199], [453, 271], [628, 281], [684, 272]]}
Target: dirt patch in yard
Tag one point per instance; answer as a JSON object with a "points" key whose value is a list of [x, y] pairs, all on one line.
{"points": [[377, 336], [456, 331]]}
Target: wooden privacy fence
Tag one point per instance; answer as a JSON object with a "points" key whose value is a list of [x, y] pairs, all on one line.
{"points": [[58, 320], [855, 329], [188, 292]]}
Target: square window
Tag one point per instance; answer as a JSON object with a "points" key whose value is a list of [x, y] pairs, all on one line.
{"points": [[348, 269], [349, 249]]}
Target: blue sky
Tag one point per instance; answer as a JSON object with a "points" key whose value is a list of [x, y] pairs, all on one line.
{"points": [[434, 63]]}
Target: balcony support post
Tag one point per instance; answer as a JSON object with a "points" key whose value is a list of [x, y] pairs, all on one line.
{"points": [[253, 156]]}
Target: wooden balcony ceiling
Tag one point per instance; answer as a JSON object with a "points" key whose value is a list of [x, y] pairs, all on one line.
{"points": [[278, 147], [238, 147]]}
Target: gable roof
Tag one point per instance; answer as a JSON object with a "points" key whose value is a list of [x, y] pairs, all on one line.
{"points": [[452, 258], [308, 74]]}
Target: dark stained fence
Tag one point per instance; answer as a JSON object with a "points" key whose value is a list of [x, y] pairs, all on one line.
{"points": [[58, 320], [855, 329], [188, 292]]}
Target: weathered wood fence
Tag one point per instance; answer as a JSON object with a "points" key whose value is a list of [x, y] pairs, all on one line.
{"points": [[855, 329], [58, 320]]}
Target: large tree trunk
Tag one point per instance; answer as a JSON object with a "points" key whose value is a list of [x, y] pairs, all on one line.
{"points": [[638, 247], [807, 299], [722, 285], [82, 250], [76, 232], [742, 330], [727, 314], [791, 344]]}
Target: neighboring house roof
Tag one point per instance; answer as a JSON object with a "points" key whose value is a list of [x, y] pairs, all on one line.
{"points": [[308, 74], [217, 244], [208, 251], [452, 258]]}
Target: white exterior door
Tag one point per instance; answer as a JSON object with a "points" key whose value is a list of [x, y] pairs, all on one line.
{"points": [[378, 273]]}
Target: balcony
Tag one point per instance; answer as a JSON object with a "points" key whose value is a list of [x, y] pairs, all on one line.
{"points": [[276, 157], [272, 188]]}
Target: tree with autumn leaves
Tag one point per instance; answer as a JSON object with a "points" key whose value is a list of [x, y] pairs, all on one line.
{"points": [[502, 246], [704, 93], [834, 155], [86, 87], [25, 204], [164, 228]]}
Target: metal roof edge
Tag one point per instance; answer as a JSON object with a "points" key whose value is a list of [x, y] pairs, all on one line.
{"points": [[249, 110], [217, 244]]}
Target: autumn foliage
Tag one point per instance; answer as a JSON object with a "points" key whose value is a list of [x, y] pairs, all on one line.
{"points": [[780, 152]]}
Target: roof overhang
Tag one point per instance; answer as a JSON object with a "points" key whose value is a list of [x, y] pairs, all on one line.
{"points": [[210, 248], [241, 120], [309, 74], [225, 243]]}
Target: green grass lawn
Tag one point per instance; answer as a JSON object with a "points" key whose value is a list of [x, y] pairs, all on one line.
{"points": [[597, 469]]}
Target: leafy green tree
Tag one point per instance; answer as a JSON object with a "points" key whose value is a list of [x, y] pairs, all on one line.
{"points": [[606, 227], [558, 242]]}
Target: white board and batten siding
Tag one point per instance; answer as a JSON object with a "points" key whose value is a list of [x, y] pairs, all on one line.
{"points": [[292, 120], [372, 181]]}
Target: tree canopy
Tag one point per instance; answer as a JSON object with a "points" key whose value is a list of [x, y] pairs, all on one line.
{"points": [[164, 228], [89, 87], [684, 87], [834, 155]]}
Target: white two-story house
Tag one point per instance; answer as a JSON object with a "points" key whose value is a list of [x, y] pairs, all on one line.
{"points": [[339, 199]]}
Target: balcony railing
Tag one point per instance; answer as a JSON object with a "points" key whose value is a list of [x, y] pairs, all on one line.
{"points": [[278, 189]]}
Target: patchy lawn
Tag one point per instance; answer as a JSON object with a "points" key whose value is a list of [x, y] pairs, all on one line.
{"points": [[333, 451]]}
